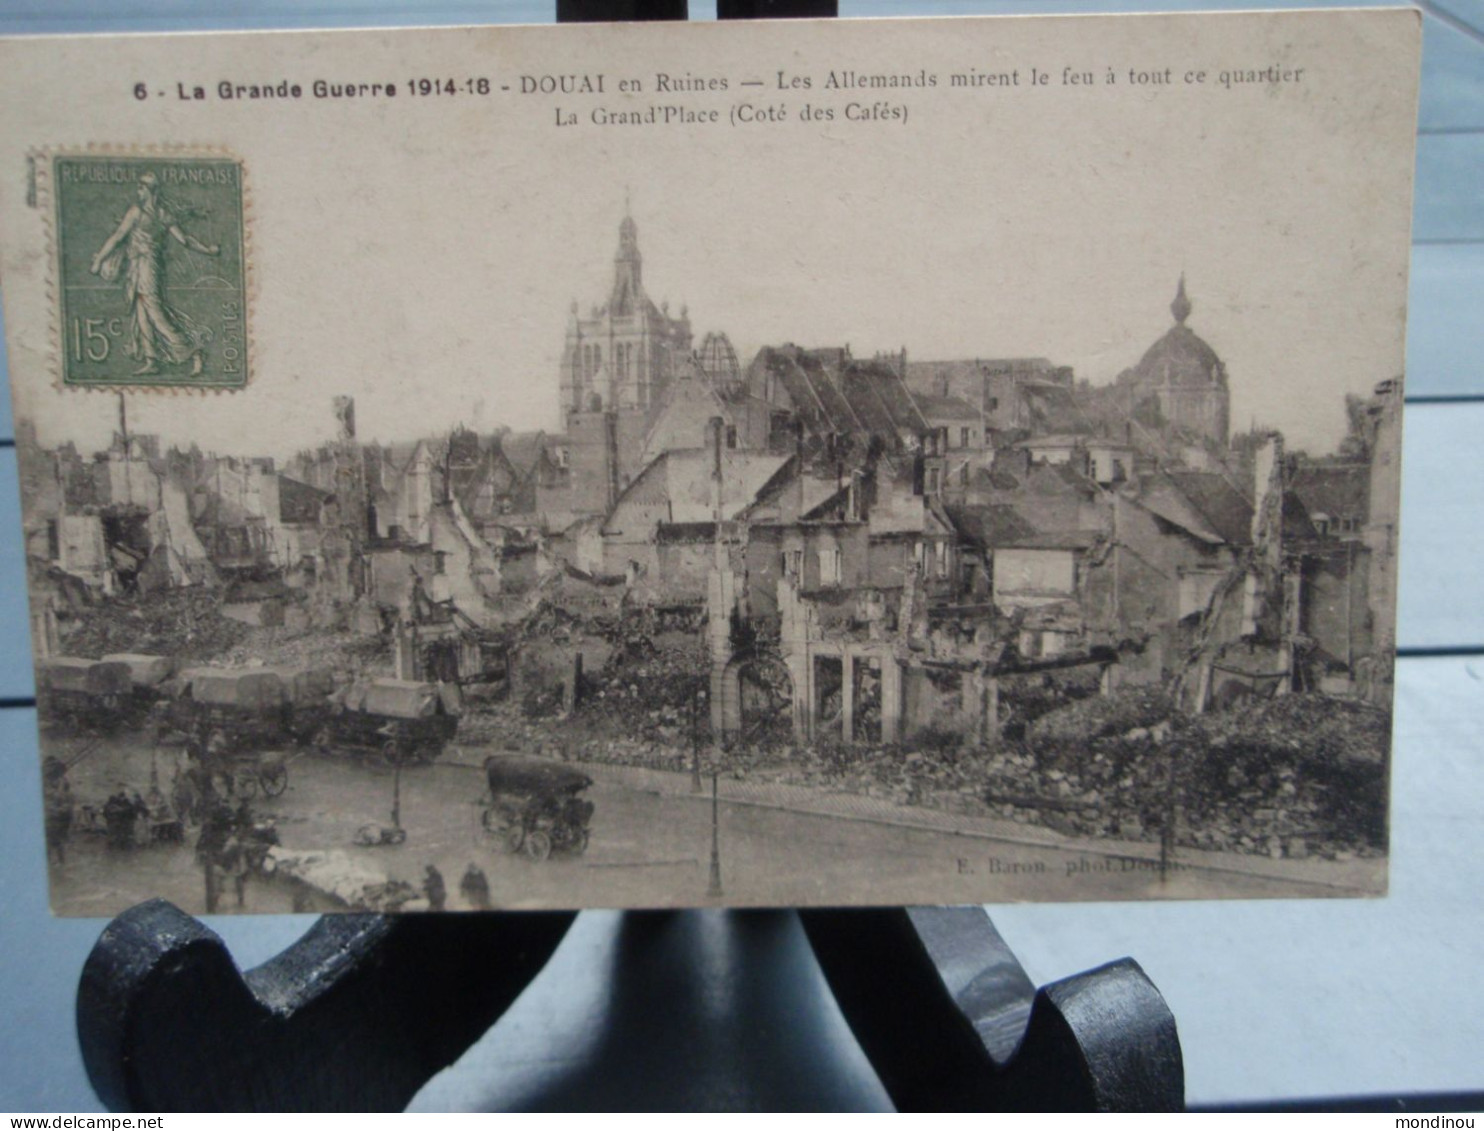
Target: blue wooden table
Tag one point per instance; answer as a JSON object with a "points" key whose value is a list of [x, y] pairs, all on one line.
{"points": [[1276, 1000]]}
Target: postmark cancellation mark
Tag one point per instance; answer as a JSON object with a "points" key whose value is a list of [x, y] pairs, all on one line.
{"points": [[151, 258]]}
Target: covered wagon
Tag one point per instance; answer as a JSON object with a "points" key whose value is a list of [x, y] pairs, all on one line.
{"points": [[232, 716], [82, 692], [241, 706], [403, 720], [310, 693], [149, 678]]}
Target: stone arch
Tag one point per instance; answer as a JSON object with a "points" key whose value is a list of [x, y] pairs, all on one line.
{"points": [[758, 698]]}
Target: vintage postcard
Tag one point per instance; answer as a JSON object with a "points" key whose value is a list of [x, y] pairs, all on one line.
{"points": [[824, 462]]}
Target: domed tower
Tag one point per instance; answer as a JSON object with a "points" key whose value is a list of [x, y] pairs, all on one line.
{"points": [[1180, 383]]}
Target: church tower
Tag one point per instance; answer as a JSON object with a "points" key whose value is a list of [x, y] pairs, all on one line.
{"points": [[624, 354], [628, 271]]}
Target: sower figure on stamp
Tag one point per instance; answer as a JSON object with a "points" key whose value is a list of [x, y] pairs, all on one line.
{"points": [[157, 331]]}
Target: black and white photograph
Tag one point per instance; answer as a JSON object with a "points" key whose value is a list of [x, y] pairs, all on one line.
{"points": [[887, 463]]}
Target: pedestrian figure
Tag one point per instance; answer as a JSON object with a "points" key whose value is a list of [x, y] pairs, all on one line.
{"points": [[59, 808], [475, 888], [186, 794], [216, 830], [434, 889], [119, 815], [233, 862]]}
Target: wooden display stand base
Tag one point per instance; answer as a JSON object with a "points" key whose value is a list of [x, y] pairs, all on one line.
{"points": [[365, 1009]]}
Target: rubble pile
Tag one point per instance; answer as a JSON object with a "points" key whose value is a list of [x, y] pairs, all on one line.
{"points": [[647, 690], [1294, 777], [342, 652], [1026, 698], [636, 702], [185, 623], [1316, 731], [1300, 766], [1298, 776], [941, 779], [1099, 716]]}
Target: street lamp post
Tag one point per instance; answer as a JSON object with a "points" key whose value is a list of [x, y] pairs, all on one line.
{"points": [[713, 888], [695, 740], [397, 794], [1171, 815]]}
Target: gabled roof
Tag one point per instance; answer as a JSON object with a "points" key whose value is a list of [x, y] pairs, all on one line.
{"points": [[869, 406], [1217, 498], [299, 503], [523, 450], [879, 384], [1203, 503], [831, 509], [783, 491], [1053, 408], [839, 411], [934, 407], [1297, 525], [399, 455], [681, 481], [1333, 490], [1058, 479], [990, 526], [1056, 540], [815, 399], [997, 477]]}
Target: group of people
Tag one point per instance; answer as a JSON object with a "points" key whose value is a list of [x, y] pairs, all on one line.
{"points": [[474, 887], [231, 842], [123, 814]]}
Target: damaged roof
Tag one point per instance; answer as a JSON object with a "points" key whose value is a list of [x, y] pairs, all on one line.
{"points": [[833, 393], [877, 383], [818, 403]]}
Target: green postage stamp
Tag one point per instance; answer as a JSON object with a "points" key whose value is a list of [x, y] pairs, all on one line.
{"points": [[152, 270]]}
